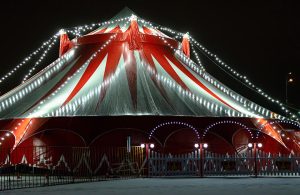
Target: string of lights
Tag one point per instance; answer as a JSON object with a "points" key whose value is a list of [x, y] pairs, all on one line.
{"points": [[27, 59], [179, 35], [237, 75], [49, 44], [174, 123], [56, 66], [34, 82], [60, 110], [245, 80], [227, 122], [249, 106], [68, 107], [39, 61]]}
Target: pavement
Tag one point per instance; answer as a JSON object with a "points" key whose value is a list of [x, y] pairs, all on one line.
{"points": [[175, 186]]}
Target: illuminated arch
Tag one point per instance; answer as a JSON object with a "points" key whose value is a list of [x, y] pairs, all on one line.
{"points": [[227, 122], [174, 123]]}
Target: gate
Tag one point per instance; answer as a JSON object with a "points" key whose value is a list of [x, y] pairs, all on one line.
{"points": [[225, 164], [187, 164]]}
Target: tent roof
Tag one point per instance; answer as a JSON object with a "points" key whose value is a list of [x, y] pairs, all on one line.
{"points": [[125, 67]]}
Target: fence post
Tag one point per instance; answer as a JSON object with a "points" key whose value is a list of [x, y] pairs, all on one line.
{"points": [[201, 160], [9, 164], [147, 160], [255, 160]]}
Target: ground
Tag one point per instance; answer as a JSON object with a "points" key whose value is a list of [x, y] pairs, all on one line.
{"points": [[174, 186]]}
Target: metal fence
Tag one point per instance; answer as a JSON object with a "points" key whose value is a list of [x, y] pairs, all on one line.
{"points": [[212, 164], [45, 166]]}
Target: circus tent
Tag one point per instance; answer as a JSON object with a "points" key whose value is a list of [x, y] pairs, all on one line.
{"points": [[127, 74]]}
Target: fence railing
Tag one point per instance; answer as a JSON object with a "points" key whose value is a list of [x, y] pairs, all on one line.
{"points": [[212, 164], [44, 166]]}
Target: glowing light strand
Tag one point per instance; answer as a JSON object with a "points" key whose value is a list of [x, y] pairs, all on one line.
{"points": [[240, 76], [227, 122], [217, 84], [38, 62], [245, 80], [173, 123], [17, 94], [27, 59], [60, 111], [73, 30]]}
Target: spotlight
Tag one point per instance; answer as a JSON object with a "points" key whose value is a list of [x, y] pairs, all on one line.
{"points": [[259, 145], [250, 145], [151, 145]]}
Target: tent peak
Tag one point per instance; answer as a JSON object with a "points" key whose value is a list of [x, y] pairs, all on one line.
{"points": [[125, 12]]}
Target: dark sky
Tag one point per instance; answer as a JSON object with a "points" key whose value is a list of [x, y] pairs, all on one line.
{"points": [[260, 39]]}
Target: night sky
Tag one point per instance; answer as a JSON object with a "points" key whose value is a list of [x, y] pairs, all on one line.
{"points": [[260, 39]]}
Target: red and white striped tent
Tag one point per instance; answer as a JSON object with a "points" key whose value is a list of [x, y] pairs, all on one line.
{"points": [[127, 74]]}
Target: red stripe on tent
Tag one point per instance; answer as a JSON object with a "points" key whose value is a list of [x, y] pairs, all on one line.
{"points": [[157, 53], [172, 58], [153, 78], [147, 31], [88, 52], [113, 59], [90, 70], [130, 66], [117, 29], [147, 56]]}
